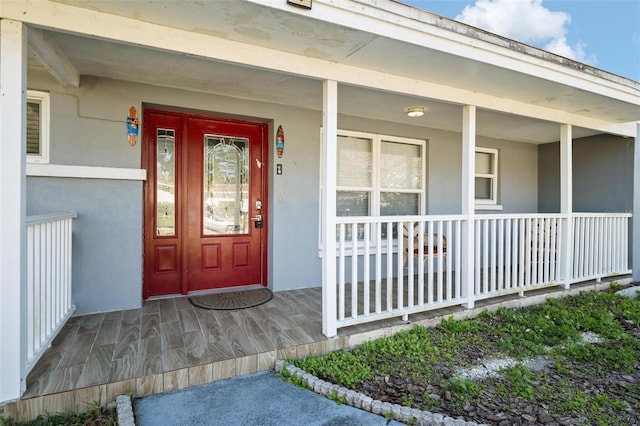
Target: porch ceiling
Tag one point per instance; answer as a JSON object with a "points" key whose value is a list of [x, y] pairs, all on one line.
{"points": [[288, 29]]}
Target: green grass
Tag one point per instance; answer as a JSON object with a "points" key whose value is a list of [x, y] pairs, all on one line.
{"points": [[429, 356]]}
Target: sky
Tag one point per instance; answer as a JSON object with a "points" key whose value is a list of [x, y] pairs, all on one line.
{"points": [[601, 33]]}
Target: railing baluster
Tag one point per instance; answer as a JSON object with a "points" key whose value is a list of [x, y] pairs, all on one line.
{"points": [[619, 250], [354, 270], [420, 254], [378, 267], [593, 249], [447, 259], [399, 274], [547, 250], [576, 247], [609, 244], [500, 279], [484, 255], [457, 254], [411, 262], [429, 243], [341, 273], [553, 250], [513, 227], [583, 245], [389, 269], [599, 243], [509, 257], [477, 253], [365, 269], [440, 254], [408, 253], [493, 253]]}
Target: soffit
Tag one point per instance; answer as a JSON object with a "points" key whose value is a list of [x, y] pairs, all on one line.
{"points": [[93, 57]]}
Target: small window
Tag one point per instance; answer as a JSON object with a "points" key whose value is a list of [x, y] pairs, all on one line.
{"points": [[486, 182], [37, 127]]}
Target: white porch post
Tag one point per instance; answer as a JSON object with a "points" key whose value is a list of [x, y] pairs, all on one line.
{"points": [[13, 77], [635, 236], [468, 202], [329, 160], [566, 202]]}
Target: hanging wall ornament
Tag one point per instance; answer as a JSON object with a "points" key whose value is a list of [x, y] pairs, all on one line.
{"points": [[132, 126], [280, 141]]}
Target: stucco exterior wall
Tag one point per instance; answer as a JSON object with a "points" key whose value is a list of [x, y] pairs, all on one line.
{"points": [[107, 237], [602, 175], [88, 128]]}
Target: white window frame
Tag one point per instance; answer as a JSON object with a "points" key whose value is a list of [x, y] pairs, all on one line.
{"points": [[374, 201], [483, 203], [376, 154], [43, 99]]}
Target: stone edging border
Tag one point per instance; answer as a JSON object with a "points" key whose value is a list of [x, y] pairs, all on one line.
{"points": [[363, 402], [125, 411]]}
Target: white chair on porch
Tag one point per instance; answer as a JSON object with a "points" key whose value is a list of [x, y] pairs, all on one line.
{"points": [[438, 246]]}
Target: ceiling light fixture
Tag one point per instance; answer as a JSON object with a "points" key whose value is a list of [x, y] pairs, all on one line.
{"points": [[416, 111]]}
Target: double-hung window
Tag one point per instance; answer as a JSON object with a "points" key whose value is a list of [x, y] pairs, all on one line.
{"points": [[379, 175], [37, 127], [486, 181]]}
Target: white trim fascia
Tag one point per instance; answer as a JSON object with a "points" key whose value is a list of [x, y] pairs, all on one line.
{"points": [[423, 28], [85, 172], [78, 20]]}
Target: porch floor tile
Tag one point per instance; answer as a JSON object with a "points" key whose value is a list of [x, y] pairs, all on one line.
{"points": [[172, 336]]}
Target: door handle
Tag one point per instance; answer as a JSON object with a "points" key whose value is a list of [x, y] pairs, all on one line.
{"points": [[258, 220]]}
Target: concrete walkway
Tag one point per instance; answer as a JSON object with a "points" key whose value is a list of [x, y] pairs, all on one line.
{"points": [[255, 399]]}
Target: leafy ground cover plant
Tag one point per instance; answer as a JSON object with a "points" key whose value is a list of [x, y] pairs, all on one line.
{"points": [[586, 350], [95, 415]]}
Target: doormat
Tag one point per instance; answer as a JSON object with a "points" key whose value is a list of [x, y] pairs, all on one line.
{"points": [[233, 299]]}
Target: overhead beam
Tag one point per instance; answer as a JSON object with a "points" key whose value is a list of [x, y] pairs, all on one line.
{"points": [[53, 58], [120, 29]]}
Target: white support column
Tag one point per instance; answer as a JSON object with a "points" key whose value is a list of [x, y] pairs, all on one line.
{"points": [[468, 203], [635, 220], [329, 161], [13, 77], [566, 202]]}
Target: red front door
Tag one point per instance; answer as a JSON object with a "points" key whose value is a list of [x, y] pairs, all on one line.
{"points": [[205, 203]]}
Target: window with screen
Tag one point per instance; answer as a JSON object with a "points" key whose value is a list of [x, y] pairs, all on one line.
{"points": [[37, 126]]}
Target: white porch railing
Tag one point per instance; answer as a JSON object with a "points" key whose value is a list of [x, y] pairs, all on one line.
{"points": [[48, 297], [600, 245], [515, 253], [381, 275], [371, 280]]}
